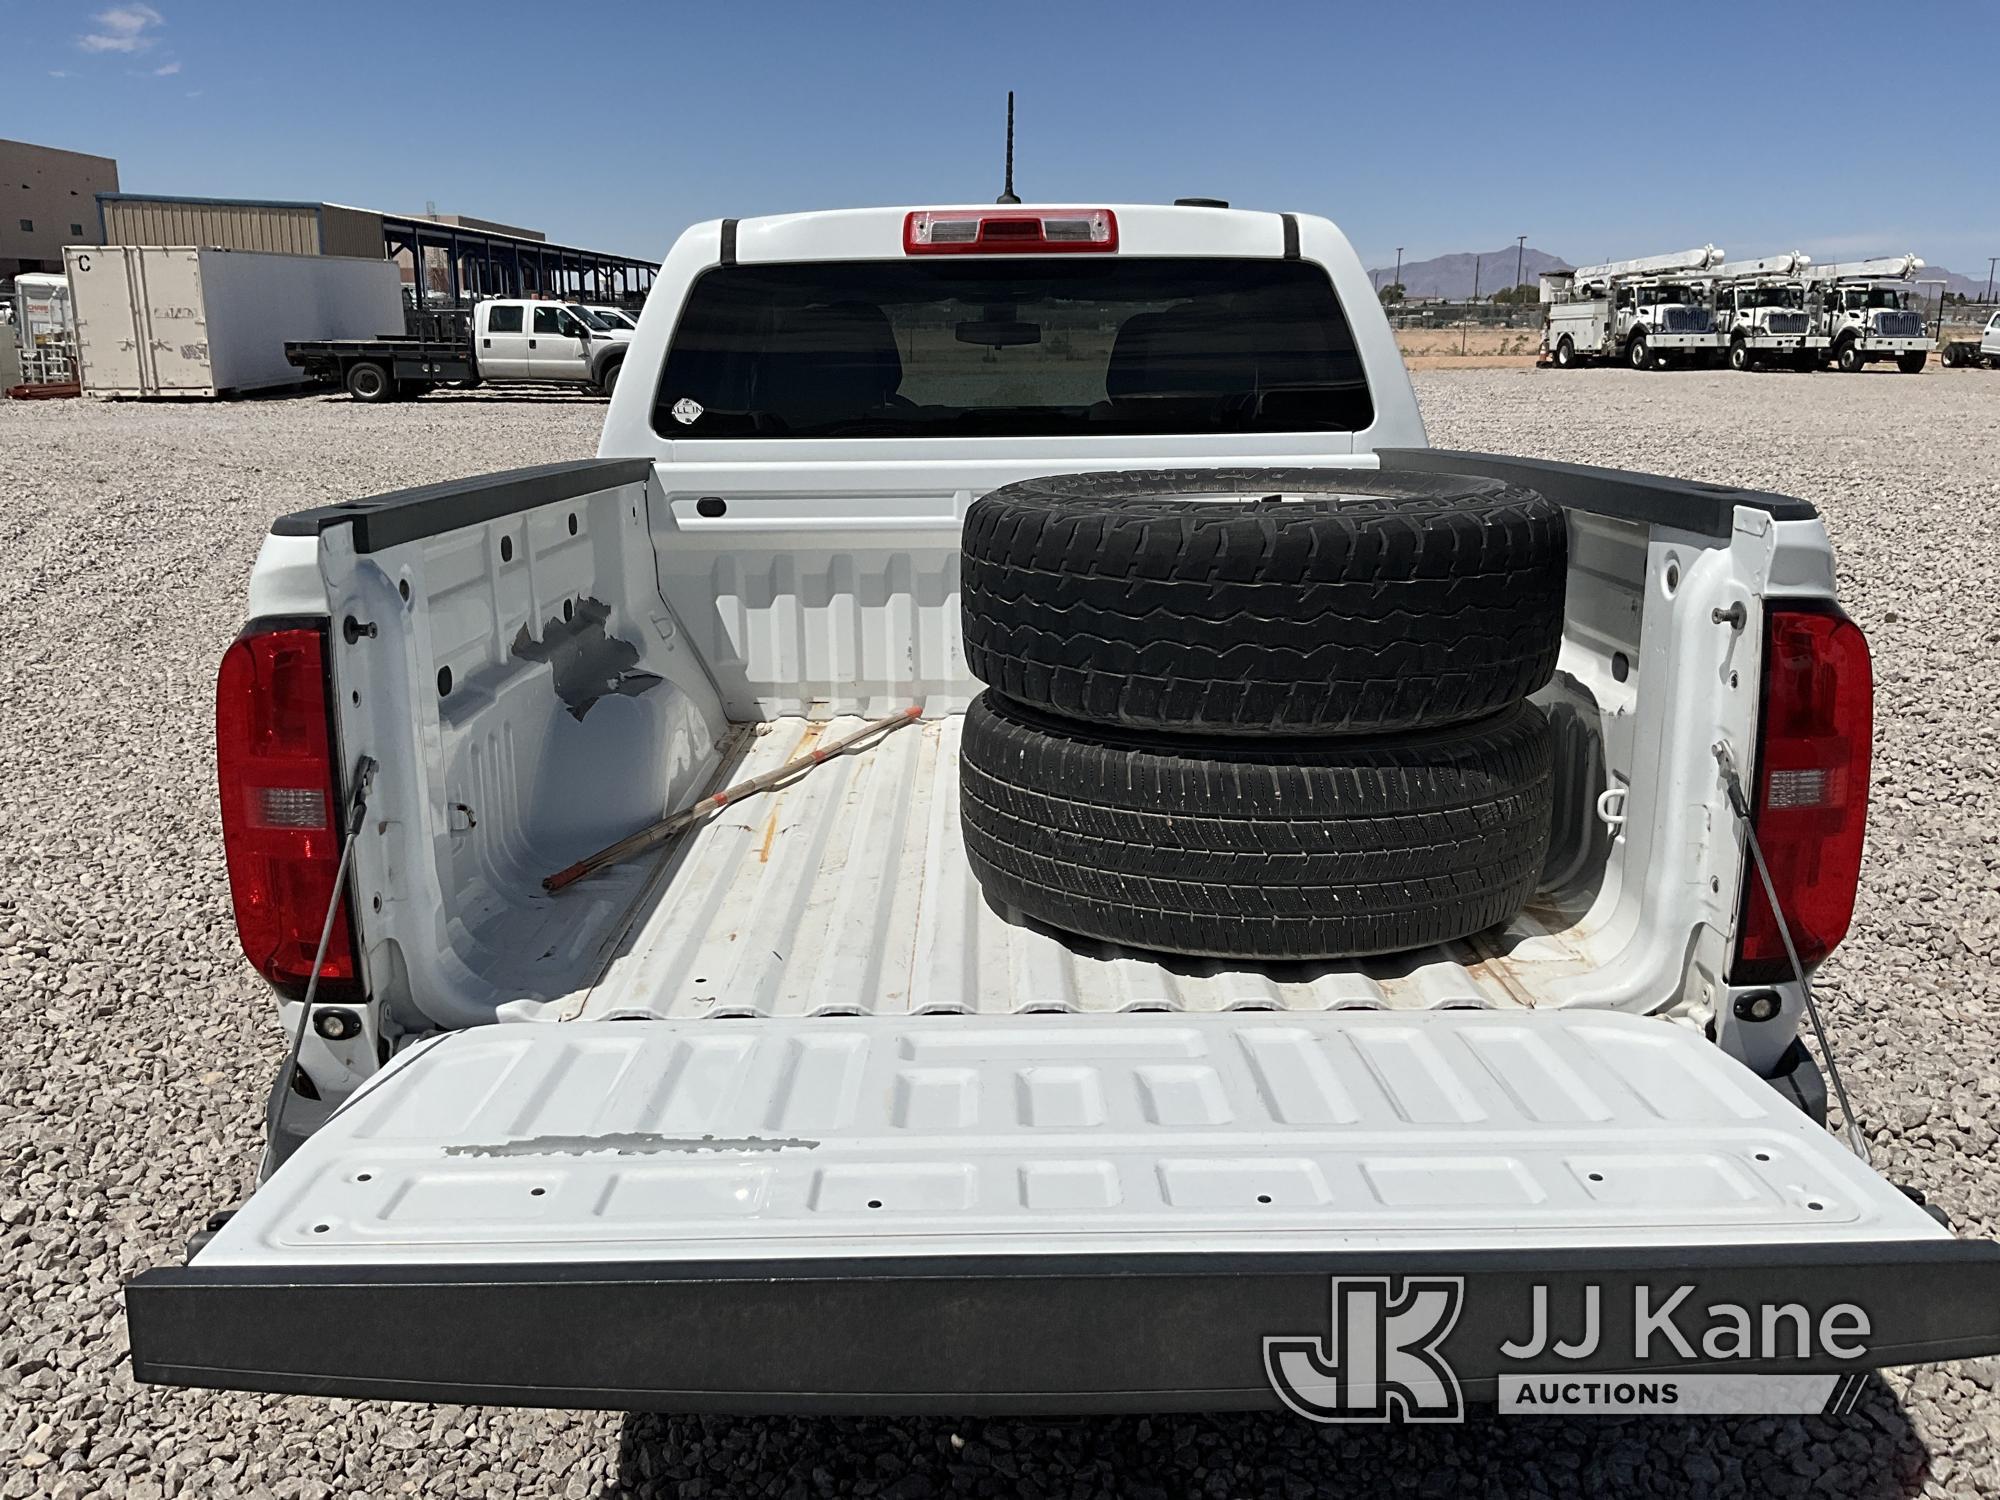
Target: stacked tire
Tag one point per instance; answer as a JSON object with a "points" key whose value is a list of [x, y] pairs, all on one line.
{"points": [[1262, 714]]}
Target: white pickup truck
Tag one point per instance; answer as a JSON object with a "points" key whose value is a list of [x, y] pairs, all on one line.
{"points": [[790, 1114]]}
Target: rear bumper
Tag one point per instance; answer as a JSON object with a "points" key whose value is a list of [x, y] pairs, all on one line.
{"points": [[1002, 1334]]}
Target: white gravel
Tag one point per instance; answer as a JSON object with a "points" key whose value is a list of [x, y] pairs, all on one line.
{"points": [[138, 1048]]}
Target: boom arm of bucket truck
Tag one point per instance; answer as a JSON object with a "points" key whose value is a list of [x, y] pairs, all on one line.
{"points": [[1884, 267], [1680, 260], [1791, 263]]}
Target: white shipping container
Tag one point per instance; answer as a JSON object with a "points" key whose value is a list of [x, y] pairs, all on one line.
{"points": [[179, 321]]}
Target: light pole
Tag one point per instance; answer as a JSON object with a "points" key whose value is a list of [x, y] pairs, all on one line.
{"points": [[1990, 262], [1398, 282], [1520, 253]]}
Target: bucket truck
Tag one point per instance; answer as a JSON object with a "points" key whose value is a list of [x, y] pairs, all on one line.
{"points": [[1867, 310], [1643, 312], [1761, 315]]}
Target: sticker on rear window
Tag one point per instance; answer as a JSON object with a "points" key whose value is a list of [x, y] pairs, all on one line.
{"points": [[687, 411]]}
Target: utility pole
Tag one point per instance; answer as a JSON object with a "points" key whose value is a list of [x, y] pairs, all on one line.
{"points": [[1520, 252], [1465, 325], [1991, 260], [1398, 282]]}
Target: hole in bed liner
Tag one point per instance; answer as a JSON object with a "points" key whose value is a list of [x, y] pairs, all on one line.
{"points": [[585, 661]]}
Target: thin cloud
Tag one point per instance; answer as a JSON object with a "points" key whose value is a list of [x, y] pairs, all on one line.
{"points": [[61, 73], [166, 70], [195, 93], [123, 28]]}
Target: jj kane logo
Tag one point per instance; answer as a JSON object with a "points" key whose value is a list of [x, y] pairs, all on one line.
{"points": [[1380, 1359]]}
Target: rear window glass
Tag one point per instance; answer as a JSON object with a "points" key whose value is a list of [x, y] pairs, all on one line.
{"points": [[503, 320], [1029, 348]]}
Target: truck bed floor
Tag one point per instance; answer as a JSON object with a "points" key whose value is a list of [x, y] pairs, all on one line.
{"points": [[847, 893]]}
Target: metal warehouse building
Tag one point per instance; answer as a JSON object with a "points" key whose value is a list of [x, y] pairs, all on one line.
{"points": [[239, 224], [464, 257]]}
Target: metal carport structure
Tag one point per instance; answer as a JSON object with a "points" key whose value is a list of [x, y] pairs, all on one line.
{"points": [[484, 263]]}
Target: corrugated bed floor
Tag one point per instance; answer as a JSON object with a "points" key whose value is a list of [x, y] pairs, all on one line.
{"points": [[847, 893]]}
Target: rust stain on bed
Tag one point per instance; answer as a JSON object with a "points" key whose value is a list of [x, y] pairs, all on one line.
{"points": [[770, 833]]}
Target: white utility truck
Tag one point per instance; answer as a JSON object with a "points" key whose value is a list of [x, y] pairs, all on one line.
{"points": [[1760, 312], [797, 1109], [1646, 312], [502, 340], [1868, 310]]}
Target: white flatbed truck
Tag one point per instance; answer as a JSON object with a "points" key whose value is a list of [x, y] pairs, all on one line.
{"points": [[499, 341], [787, 1115], [1984, 350]]}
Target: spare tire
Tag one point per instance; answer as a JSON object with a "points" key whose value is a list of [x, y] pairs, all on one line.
{"points": [[1259, 601], [1277, 851]]}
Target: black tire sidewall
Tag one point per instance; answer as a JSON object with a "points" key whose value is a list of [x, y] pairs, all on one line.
{"points": [[1370, 602], [1267, 851]]}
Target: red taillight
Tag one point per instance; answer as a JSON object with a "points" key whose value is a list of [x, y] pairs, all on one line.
{"points": [[281, 807], [1009, 231], [1811, 800]]}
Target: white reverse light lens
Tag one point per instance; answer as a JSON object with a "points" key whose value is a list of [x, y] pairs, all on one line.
{"points": [[290, 807], [1805, 788]]}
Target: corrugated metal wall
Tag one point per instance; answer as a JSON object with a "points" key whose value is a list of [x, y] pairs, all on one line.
{"points": [[350, 231], [286, 229]]}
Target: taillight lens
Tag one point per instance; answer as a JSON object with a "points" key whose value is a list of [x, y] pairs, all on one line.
{"points": [[281, 807], [1009, 231], [1811, 800]]}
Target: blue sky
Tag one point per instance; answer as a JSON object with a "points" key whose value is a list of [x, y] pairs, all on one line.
{"points": [[1596, 130]]}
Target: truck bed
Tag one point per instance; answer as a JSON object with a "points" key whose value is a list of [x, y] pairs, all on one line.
{"points": [[847, 892]]}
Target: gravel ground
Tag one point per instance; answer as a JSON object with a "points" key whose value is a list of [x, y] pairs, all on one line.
{"points": [[138, 1048]]}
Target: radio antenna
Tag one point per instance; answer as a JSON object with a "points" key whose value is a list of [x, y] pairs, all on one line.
{"points": [[1007, 192]]}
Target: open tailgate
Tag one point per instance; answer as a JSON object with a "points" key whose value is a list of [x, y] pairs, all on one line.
{"points": [[1035, 1213]]}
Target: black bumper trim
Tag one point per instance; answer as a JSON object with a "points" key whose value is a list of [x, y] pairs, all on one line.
{"points": [[995, 1334]]}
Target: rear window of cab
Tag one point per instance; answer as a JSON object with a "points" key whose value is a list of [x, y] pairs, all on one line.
{"points": [[1042, 347]]}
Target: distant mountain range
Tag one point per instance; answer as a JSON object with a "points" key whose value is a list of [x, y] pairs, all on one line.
{"points": [[1971, 286], [1451, 276]]}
